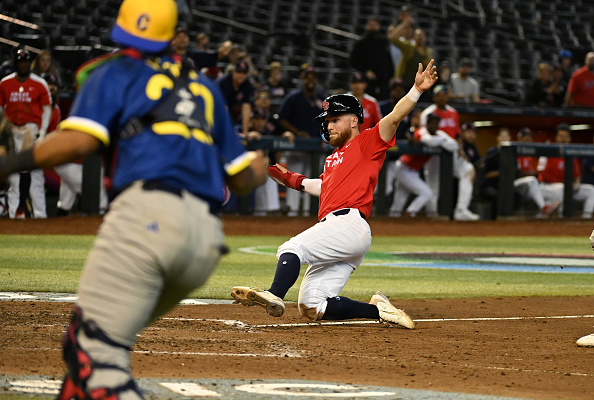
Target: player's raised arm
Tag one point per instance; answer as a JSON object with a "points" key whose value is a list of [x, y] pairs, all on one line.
{"points": [[423, 81]]}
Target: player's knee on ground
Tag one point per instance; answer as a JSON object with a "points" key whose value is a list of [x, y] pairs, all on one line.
{"points": [[309, 312], [98, 366]]}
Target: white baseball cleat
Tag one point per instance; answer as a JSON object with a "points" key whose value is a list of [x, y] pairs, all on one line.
{"points": [[586, 341], [465, 215], [257, 297], [390, 314]]}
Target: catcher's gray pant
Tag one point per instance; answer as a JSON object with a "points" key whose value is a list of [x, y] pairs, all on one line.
{"points": [[71, 186], [333, 249], [409, 181], [23, 137], [151, 251]]}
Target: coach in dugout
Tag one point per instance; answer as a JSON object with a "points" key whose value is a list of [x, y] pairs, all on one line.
{"points": [[26, 100]]}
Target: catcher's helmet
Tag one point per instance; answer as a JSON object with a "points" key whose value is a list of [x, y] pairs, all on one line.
{"points": [[341, 104], [22, 55], [147, 26]]}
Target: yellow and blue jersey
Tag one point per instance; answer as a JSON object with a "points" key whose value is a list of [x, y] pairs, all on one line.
{"points": [[195, 156]]}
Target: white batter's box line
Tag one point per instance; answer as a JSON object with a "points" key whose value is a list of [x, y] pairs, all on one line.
{"points": [[358, 322], [196, 353], [549, 371]]}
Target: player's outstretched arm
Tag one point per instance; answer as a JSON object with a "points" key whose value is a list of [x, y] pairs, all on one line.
{"points": [[423, 81], [294, 180]]}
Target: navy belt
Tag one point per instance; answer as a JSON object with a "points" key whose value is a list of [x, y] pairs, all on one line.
{"points": [[158, 185], [343, 211]]}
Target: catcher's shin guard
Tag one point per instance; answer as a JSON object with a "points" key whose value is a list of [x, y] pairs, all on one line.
{"points": [[81, 366]]}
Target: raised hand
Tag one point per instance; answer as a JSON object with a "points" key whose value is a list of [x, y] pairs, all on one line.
{"points": [[425, 79]]}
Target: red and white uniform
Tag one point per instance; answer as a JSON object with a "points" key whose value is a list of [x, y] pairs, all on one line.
{"points": [[551, 175], [527, 164], [371, 112], [407, 173], [23, 101], [334, 247], [23, 104], [450, 124], [450, 119]]}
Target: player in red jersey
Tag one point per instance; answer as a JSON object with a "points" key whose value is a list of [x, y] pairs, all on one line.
{"points": [[408, 167], [580, 90], [334, 247], [552, 171], [463, 169], [371, 110], [25, 98]]}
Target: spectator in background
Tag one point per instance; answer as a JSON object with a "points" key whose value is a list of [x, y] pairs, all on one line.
{"points": [[552, 172], [296, 114], [202, 42], [44, 64], [180, 43], [30, 115], [567, 66], [406, 34], [238, 93], [276, 83], [371, 57], [386, 106], [537, 93], [463, 87], [371, 111], [235, 54], [444, 74], [580, 90], [558, 87], [413, 51], [7, 66]]}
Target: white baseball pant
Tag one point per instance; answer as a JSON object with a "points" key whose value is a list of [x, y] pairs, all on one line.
{"points": [[528, 186], [462, 169], [71, 186], [266, 198], [584, 192], [409, 181], [299, 162], [25, 135], [333, 249]]}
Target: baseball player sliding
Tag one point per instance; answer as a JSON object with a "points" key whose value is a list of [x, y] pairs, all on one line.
{"points": [[588, 340], [335, 246]]}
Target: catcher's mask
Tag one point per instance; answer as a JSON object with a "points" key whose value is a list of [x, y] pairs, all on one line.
{"points": [[335, 105]]}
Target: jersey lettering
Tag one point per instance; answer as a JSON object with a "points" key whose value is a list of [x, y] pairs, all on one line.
{"points": [[334, 159], [20, 97]]}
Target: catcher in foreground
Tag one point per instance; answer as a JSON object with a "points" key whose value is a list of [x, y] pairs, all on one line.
{"points": [[335, 246]]}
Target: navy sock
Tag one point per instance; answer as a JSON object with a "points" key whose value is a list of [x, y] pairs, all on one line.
{"points": [[287, 272], [345, 308]]}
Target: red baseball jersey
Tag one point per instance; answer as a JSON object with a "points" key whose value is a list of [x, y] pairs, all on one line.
{"points": [[527, 164], [23, 101], [581, 87], [450, 119], [554, 170], [415, 162], [351, 172], [371, 112]]}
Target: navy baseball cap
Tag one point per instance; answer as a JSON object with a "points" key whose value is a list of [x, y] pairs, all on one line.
{"points": [[525, 132], [432, 117], [440, 89], [241, 66], [51, 79], [468, 125], [358, 77]]}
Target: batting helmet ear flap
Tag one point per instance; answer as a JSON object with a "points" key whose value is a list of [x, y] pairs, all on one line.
{"points": [[325, 132]]}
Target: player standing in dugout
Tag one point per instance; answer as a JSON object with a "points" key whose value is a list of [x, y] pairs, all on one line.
{"points": [[334, 247]]}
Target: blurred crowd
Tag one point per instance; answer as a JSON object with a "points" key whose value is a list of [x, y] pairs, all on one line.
{"points": [[267, 100]]}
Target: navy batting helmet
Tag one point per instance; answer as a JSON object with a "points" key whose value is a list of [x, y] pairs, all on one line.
{"points": [[341, 104]]}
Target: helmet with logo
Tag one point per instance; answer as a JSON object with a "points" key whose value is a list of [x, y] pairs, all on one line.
{"points": [[147, 26], [338, 104], [22, 55], [341, 104]]}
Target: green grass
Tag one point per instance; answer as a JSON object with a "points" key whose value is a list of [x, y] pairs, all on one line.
{"points": [[53, 264]]}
